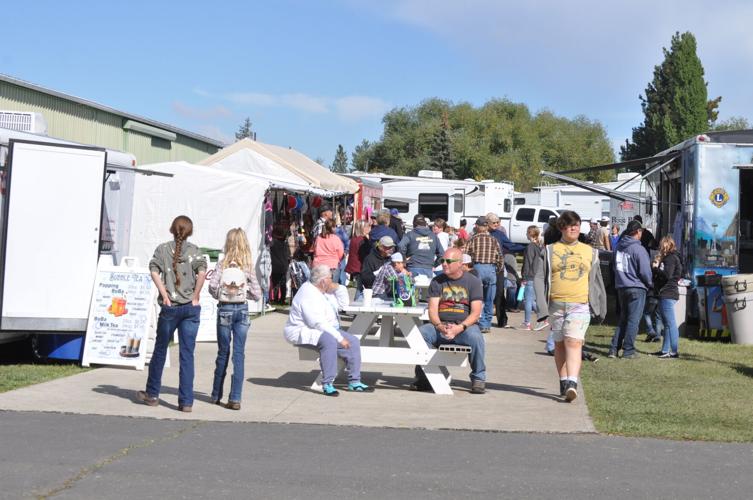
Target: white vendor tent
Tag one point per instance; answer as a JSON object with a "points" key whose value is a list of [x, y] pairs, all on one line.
{"points": [[291, 160], [215, 200]]}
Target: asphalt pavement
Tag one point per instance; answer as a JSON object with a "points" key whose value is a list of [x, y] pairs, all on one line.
{"points": [[46, 455]]}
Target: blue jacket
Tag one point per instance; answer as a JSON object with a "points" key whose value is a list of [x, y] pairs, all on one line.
{"points": [[506, 243], [379, 231], [632, 268]]}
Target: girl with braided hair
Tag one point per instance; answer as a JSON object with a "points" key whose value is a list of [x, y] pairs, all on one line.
{"points": [[178, 270]]}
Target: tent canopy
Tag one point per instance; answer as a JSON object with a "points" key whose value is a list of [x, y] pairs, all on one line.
{"points": [[293, 161], [215, 200]]}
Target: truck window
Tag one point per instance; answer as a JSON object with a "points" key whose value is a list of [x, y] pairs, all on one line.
{"points": [[433, 205], [545, 214], [399, 205], [525, 214]]}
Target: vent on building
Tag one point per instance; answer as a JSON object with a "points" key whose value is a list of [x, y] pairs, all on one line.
{"points": [[430, 174], [23, 121]]}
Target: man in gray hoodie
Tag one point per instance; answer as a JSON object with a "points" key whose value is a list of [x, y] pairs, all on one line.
{"points": [[421, 248], [632, 277]]}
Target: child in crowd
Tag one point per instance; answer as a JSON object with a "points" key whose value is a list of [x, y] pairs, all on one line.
{"points": [[389, 273], [533, 281], [233, 283]]}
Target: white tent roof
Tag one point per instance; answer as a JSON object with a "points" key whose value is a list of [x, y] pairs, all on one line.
{"points": [[215, 200], [293, 161], [249, 162]]}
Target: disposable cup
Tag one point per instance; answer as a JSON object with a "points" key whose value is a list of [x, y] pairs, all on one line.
{"points": [[367, 294]]}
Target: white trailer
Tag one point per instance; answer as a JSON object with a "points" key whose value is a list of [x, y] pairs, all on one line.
{"points": [[449, 199], [54, 225]]}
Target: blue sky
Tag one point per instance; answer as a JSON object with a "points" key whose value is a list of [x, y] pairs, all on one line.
{"points": [[315, 74]]}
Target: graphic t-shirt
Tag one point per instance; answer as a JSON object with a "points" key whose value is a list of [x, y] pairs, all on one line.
{"points": [[571, 265], [455, 296]]}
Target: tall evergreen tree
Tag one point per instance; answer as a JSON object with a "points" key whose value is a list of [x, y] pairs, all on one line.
{"points": [[440, 155], [676, 104], [340, 165], [245, 130], [362, 155]]}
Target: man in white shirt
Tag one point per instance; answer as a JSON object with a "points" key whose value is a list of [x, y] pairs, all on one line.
{"points": [[314, 321]]}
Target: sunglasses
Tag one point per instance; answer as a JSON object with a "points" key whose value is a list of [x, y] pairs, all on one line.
{"points": [[448, 261]]}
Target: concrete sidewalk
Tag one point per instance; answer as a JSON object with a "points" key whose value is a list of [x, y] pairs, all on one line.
{"points": [[522, 390]]}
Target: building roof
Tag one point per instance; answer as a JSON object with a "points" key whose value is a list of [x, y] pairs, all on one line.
{"points": [[92, 104]]}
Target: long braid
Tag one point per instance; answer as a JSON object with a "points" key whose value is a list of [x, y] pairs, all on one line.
{"points": [[181, 229]]}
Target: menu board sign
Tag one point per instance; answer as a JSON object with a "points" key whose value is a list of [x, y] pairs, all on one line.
{"points": [[120, 316]]}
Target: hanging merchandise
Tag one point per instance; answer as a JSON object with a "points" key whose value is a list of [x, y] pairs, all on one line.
{"points": [[292, 202], [265, 268], [268, 221], [317, 202]]}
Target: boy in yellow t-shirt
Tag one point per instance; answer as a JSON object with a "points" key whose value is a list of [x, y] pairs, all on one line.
{"points": [[571, 264]]}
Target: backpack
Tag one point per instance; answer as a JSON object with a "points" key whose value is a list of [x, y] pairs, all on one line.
{"points": [[233, 285]]}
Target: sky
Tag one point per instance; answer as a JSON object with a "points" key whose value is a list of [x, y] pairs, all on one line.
{"points": [[312, 74]]}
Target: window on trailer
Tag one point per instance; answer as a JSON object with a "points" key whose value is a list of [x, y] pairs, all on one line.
{"points": [[399, 205], [433, 205]]}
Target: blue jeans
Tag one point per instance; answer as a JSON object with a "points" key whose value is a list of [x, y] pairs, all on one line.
{"points": [[550, 342], [330, 349], [671, 332], [232, 327], [487, 273], [511, 294], [359, 286], [529, 301], [471, 337], [424, 271], [186, 319], [342, 278], [632, 303], [652, 317]]}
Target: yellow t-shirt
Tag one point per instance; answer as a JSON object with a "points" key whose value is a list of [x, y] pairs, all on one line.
{"points": [[571, 265]]}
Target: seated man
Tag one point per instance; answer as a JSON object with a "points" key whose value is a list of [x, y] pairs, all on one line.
{"points": [[385, 283], [456, 298], [314, 321]]}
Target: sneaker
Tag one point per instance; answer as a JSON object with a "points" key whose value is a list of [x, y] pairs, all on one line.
{"points": [[478, 387], [667, 355], [541, 325], [185, 408], [563, 387], [359, 387], [233, 405], [486, 330], [612, 354], [571, 391], [329, 390], [147, 399], [525, 326], [550, 352]]}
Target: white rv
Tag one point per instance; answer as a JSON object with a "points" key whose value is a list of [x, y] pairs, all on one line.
{"points": [[449, 199]]}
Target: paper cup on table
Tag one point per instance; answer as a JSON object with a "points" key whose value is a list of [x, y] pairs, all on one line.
{"points": [[367, 294]]}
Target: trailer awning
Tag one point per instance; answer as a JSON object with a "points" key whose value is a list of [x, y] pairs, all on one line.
{"points": [[631, 165], [594, 188]]}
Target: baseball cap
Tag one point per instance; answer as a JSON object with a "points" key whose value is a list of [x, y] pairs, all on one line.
{"points": [[386, 241], [419, 220], [393, 211], [467, 259], [324, 208], [481, 221], [396, 257]]}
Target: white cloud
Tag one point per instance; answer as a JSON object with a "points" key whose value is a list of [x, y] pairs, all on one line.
{"points": [[356, 108], [200, 113], [348, 108]]}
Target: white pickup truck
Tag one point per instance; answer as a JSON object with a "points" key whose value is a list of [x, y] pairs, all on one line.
{"points": [[524, 216]]}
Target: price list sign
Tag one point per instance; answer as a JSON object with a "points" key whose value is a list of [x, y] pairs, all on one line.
{"points": [[119, 317]]}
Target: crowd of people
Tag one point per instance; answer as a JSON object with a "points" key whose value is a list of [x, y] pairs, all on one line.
{"points": [[472, 277]]}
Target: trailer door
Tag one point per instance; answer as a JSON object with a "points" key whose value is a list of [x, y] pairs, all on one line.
{"points": [[50, 240]]}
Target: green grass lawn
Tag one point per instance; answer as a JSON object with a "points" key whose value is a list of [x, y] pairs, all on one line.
{"points": [[704, 395], [22, 375]]}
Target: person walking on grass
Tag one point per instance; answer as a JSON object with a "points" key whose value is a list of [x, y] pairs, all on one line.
{"points": [[233, 283], [667, 271], [576, 292], [179, 271], [533, 281]]}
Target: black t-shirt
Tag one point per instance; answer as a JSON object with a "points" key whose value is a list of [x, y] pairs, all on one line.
{"points": [[455, 296]]}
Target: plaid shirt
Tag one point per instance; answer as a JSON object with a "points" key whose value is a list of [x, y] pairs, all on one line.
{"points": [[382, 280], [484, 249]]}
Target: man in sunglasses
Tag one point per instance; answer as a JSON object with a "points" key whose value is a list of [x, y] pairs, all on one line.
{"points": [[455, 303]]}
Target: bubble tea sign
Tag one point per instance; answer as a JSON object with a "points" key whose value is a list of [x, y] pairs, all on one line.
{"points": [[119, 316]]}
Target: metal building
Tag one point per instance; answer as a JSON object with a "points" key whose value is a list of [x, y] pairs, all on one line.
{"points": [[79, 120]]}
